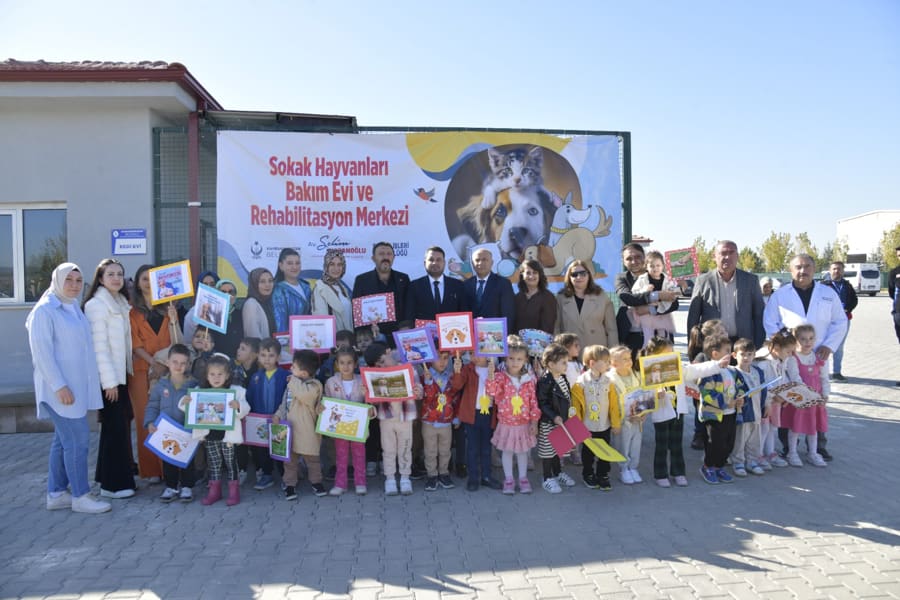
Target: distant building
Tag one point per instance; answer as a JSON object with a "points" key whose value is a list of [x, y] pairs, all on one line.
{"points": [[863, 232]]}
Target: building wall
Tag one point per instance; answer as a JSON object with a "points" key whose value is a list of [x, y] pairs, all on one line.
{"points": [[863, 233]]}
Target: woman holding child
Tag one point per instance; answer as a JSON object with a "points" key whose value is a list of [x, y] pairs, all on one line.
{"points": [[65, 387], [584, 309]]}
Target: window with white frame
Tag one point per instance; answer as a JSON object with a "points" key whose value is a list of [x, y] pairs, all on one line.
{"points": [[32, 243]]}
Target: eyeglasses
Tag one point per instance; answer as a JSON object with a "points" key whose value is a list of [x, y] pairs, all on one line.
{"points": [[577, 274]]}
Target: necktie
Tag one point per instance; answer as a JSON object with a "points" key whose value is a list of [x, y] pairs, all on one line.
{"points": [[479, 291], [437, 294]]}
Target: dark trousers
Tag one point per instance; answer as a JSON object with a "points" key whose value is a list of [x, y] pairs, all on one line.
{"points": [[242, 454], [459, 445], [552, 467], [261, 459], [176, 476], [114, 460], [590, 464], [719, 441], [373, 443], [668, 455], [783, 438], [478, 447]]}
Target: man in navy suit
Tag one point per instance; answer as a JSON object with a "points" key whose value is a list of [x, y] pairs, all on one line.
{"points": [[488, 294], [434, 293]]}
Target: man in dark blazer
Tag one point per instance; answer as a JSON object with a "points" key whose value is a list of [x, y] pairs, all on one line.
{"points": [[731, 295], [486, 293], [381, 280], [434, 293]]}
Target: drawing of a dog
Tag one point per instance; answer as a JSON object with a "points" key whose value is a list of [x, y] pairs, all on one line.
{"points": [[456, 337]]}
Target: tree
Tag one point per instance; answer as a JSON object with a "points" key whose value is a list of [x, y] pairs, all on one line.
{"points": [[775, 251], [748, 260], [803, 245], [889, 241], [705, 260]]}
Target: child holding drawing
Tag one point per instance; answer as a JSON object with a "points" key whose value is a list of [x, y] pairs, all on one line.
{"points": [[265, 393], [478, 417], [554, 400], [805, 367], [442, 384], [626, 381], [596, 403]]}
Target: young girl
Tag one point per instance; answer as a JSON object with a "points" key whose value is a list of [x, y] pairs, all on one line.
{"points": [[659, 322], [346, 385], [624, 378], [781, 346], [220, 445], [514, 393], [572, 344], [596, 403], [554, 400], [805, 367]]}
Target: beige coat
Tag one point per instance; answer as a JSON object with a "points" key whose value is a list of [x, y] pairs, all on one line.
{"points": [[596, 324], [306, 395]]}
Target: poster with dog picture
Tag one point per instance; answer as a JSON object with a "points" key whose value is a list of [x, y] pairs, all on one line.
{"points": [[388, 384], [316, 333], [256, 429], [415, 346], [211, 308], [344, 420], [210, 409], [375, 308], [490, 337], [280, 442], [172, 442], [455, 331], [660, 370], [536, 340], [170, 282], [682, 263]]}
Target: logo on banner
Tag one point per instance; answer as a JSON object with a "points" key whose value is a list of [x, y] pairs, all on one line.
{"points": [[256, 250]]}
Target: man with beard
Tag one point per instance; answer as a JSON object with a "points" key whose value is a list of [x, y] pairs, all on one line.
{"points": [[381, 280], [434, 293]]}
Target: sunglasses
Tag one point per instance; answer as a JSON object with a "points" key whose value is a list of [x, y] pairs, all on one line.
{"points": [[577, 274]]}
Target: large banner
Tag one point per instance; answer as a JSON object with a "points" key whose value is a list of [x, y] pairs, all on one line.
{"points": [[553, 198]]}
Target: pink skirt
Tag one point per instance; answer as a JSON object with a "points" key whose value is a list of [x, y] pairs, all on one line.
{"points": [[805, 421], [775, 414], [513, 438]]}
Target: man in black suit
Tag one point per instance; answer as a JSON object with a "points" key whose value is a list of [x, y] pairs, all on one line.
{"points": [[434, 293], [381, 280], [487, 294]]}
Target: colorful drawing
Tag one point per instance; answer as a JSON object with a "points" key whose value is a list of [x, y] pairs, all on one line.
{"points": [[315, 333], [209, 409], [490, 337], [660, 370], [344, 420], [172, 442], [170, 282], [280, 442], [376, 308], [455, 331], [415, 345], [388, 384]]}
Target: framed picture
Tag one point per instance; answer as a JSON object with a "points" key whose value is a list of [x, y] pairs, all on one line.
{"points": [[797, 394], [171, 282], [172, 442], [388, 384], [415, 345], [280, 442], [490, 337], [208, 409], [211, 308], [376, 308], [344, 420], [660, 370], [284, 338], [314, 332], [256, 429], [641, 402], [536, 340], [682, 263], [455, 331], [431, 326]]}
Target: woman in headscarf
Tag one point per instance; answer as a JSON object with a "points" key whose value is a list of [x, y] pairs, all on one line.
{"points": [[227, 343], [258, 315], [331, 296], [65, 387]]}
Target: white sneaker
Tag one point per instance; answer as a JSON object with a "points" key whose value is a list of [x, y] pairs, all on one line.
{"points": [[168, 495], [765, 465], [739, 470], [552, 485], [635, 476], [625, 476], [405, 486], [757, 469], [64, 500], [778, 462], [121, 494], [390, 487], [564, 479], [336, 491], [794, 460], [186, 495], [361, 490], [816, 460], [90, 505]]}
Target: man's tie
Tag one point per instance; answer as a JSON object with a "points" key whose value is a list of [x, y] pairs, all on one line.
{"points": [[437, 294], [479, 291]]}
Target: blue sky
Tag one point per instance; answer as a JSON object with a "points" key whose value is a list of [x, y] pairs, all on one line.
{"points": [[746, 117]]}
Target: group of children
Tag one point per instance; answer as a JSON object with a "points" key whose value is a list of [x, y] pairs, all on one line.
{"points": [[474, 406]]}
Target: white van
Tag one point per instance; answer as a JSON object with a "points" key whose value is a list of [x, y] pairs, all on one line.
{"points": [[865, 277]]}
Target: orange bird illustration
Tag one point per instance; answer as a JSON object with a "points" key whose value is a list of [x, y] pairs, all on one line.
{"points": [[427, 196]]}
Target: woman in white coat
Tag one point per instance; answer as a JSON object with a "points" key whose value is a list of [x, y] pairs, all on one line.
{"points": [[584, 308], [331, 296], [107, 309], [65, 388]]}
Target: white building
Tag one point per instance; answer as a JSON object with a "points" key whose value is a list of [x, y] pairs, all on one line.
{"points": [[863, 232]]}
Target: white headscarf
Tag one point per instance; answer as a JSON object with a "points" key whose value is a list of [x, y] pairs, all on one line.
{"points": [[58, 280]]}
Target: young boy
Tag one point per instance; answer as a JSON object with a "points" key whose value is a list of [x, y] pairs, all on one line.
{"points": [[164, 398], [596, 403], [265, 392], [442, 384], [747, 448], [478, 416], [300, 408], [554, 397], [626, 381], [202, 347], [719, 400], [245, 361], [395, 423]]}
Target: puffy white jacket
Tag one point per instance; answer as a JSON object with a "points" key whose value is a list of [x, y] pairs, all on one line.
{"points": [[111, 330]]}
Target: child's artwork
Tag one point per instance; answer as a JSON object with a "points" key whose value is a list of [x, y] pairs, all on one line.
{"points": [[376, 308], [284, 338], [388, 384], [280, 442], [170, 282], [431, 326], [415, 345], [209, 409], [256, 430], [797, 394], [211, 308], [313, 333], [640, 402], [172, 442], [603, 450], [490, 337], [344, 420], [536, 340], [681, 264], [660, 370], [455, 331], [565, 437]]}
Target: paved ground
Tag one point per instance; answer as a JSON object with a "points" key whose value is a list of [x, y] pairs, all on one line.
{"points": [[792, 533]]}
